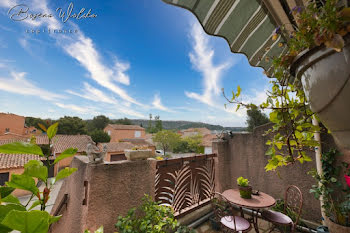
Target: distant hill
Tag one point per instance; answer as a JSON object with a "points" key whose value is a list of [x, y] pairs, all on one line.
{"points": [[186, 125]]}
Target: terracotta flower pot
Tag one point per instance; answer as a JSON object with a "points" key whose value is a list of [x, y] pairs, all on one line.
{"points": [[138, 154], [336, 228], [245, 192], [325, 74]]}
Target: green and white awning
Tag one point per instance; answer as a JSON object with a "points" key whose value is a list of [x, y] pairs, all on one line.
{"points": [[247, 25]]}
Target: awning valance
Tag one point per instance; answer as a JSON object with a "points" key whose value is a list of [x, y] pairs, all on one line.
{"points": [[247, 25]]}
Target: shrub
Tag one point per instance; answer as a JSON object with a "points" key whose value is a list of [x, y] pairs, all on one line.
{"points": [[150, 217]]}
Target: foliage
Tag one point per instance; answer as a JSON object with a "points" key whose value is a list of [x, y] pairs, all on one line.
{"points": [[189, 144], [99, 230], [166, 139], [100, 122], [14, 215], [242, 182], [336, 206], [149, 217], [123, 121], [72, 125], [255, 118], [157, 127], [99, 136], [290, 112]]}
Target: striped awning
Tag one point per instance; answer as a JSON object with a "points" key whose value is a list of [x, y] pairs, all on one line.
{"points": [[247, 25]]}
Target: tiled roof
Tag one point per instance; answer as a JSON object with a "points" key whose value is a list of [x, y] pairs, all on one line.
{"points": [[15, 160], [116, 146], [208, 140], [115, 126], [60, 142], [7, 141]]}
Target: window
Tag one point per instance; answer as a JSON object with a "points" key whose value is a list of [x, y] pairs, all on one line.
{"points": [[4, 177], [137, 134], [7, 130], [109, 133]]}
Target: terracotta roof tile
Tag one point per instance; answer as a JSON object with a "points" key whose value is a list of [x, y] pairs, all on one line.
{"points": [[208, 140], [15, 160], [115, 126], [137, 141]]}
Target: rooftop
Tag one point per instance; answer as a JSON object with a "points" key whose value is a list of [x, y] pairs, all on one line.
{"points": [[123, 127], [15, 160]]}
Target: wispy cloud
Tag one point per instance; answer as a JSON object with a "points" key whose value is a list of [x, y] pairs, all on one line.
{"points": [[17, 83], [202, 60], [79, 109], [96, 95], [157, 103]]}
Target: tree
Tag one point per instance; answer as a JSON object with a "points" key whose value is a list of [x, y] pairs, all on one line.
{"points": [[123, 121], [100, 122], [99, 136], [34, 121], [190, 144], [158, 126], [149, 128], [71, 125], [255, 118], [167, 139]]}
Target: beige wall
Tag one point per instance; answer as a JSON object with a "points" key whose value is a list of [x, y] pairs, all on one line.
{"points": [[119, 134], [13, 122], [17, 192], [113, 189], [244, 155]]}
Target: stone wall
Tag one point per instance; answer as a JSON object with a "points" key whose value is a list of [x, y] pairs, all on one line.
{"points": [[113, 188], [244, 155]]}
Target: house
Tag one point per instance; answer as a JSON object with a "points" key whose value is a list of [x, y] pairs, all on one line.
{"points": [[118, 132], [195, 131], [13, 126], [115, 150], [14, 163], [207, 142]]}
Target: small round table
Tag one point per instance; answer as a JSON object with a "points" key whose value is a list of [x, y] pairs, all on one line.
{"points": [[256, 203]]}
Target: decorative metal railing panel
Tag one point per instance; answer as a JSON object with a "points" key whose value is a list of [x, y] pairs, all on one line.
{"points": [[185, 183]]}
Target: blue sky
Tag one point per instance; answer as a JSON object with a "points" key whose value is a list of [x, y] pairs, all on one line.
{"points": [[136, 57]]}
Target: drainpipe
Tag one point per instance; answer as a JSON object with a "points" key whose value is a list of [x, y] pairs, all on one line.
{"points": [[318, 155]]}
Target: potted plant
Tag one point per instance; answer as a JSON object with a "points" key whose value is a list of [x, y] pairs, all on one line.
{"points": [[336, 198], [138, 153], [245, 190]]}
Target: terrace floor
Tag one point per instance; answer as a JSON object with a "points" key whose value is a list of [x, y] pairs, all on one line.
{"points": [[264, 227]]}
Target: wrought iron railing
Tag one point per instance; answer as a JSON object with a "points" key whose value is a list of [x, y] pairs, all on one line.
{"points": [[185, 183]]}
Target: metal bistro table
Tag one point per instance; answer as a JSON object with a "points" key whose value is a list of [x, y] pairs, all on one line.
{"points": [[256, 203]]}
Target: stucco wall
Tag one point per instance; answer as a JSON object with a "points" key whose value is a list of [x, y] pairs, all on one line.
{"points": [[244, 155], [119, 134], [113, 188], [14, 122]]}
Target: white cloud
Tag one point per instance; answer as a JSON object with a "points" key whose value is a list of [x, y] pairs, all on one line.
{"points": [[79, 109], [17, 83], [157, 103], [202, 60], [96, 95], [119, 72]]}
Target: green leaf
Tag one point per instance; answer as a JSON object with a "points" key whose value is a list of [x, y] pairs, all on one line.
{"points": [[279, 145], [52, 130], [4, 210], [65, 154], [23, 182], [238, 106], [99, 230], [21, 148], [35, 168], [42, 127], [34, 221], [298, 135], [35, 203], [5, 191], [65, 173], [10, 199], [54, 219], [238, 91]]}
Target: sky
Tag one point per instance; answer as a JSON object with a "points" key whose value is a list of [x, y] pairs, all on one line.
{"points": [[134, 58]]}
